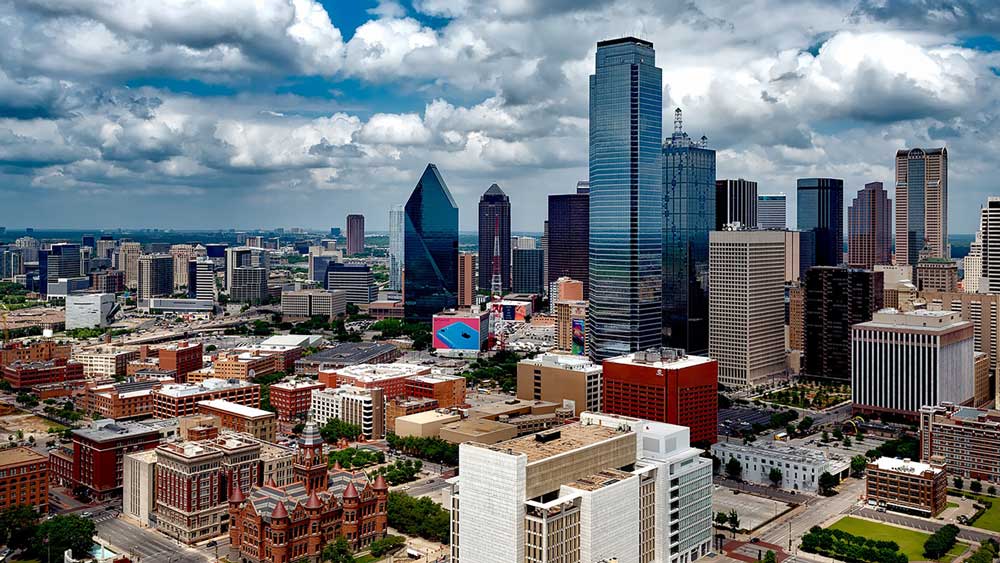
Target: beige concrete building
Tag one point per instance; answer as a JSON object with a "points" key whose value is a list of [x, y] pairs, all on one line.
{"points": [[182, 254], [796, 317], [559, 378], [981, 309], [302, 305], [107, 360], [425, 424], [139, 486], [259, 423], [937, 274], [793, 256], [479, 430], [128, 262], [362, 407], [276, 464]]}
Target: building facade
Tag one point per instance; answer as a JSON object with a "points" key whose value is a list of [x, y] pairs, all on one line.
{"points": [[397, 244], [967, 439], [356, 281], [771, 211], [869, 229], [430, 248], [989, 228], [24, 479], [25, 375], [355, 234], [528, 270], [291, 398], [98, 451], [981, 309], [568, 237], [181, 399], [921, 204], [836, 299], [735, 202], [937, 274], [466, 279], [259, 423], [364, 408], [902, 485], [494, 237], [560, 378], [800, 467], [820, 210]]}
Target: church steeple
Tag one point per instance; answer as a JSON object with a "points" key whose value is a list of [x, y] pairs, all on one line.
{"points": [[309, 465]]}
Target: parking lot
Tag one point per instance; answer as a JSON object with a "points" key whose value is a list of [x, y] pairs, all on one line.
{"points": [[752, 510]]}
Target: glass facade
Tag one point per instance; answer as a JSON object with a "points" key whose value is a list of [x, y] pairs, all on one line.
{"points": [[688, 216], [397, 220], [569, 230], [626, 199], [494, 220], [529, 264], [869, 235], [821, 210], [430, 249]]}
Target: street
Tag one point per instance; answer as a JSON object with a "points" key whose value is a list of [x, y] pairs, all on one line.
{"points": [[146, 545], [814, 512]]}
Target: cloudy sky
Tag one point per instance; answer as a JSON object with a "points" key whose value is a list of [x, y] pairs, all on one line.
{"points": [[245, 113]]}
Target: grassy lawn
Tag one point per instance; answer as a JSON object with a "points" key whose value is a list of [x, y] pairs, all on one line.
{"points": [[366, 559], [911, 542], [990, 520], [952, 505]]}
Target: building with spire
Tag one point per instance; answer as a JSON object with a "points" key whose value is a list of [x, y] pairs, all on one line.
{"points": [[294, 522], [494, 222]]}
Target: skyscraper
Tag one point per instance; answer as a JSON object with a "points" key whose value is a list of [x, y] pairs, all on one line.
{"points": [[128, 262], [626, 199], [989, 228], [156, 276], [972, 265], [869, 236], [430, 248], [528, 269], [466, 279], [61, 260], [182, 254], [921, 204], [569, 231], [355, 234], [688, 216], [201, 278], [771, 211], [494, 221], [397, 218], [836, 298], [821, 210], [735, 202]]}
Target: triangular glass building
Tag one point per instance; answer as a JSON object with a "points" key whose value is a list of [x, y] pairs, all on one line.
{"points": [[431, 248]]}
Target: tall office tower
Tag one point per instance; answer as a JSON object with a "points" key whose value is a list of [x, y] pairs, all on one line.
{"points": [[156, 276], [466, 279], [61, 260], [626, 199], [746, 304], [128, 262], [244, 257], [201, 278], [355, 234], [494, 221], [689, 207], [11, 262], [397, 218], [836, 298], [936, 274], [355, 280], [30, 247], [430, 248], [569, 233], [921, 204], [528, 271], [771, 211], [869, 235], [88, 241], [735, 202], [182, 254], [972, 265], [607, 488], [248, 284], [821, 211], [106, 247], [989, 228]]}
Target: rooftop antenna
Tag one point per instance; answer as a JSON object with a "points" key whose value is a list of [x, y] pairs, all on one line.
{"points": [[678, 121]]}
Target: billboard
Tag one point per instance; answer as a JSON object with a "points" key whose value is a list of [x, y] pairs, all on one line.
{"points": [[515, 310], [454, 333], [578, 337]]}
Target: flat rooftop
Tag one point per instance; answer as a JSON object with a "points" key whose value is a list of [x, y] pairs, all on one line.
{"points": [[510, 406], [436, 378], [108, 429], [297, 383], [348, 353], [905, 466], [428, 416], [236, 408], [376, 372], [570, 362], [600, 480], [922, 320], [570, 437], [207, 386], [18, 456], [660, 359]]}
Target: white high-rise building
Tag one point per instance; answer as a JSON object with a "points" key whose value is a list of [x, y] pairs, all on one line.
{"points": [[201, 278], [396, 247], [746, 306], [771, 211], [972, 266], [989, 230], [606, 488]]}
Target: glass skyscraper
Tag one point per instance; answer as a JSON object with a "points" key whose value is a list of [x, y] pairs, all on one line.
{"points": [[494, 221], [626, 199], [430, 248], [688, 216], [397, 219], [821, 210], [569, 230]]}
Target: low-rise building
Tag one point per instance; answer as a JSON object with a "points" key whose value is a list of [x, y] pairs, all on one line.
{"points": [[182, 399], [966, 439], [90, 310], [25, 375], [292, 397], [447, 390], [139, 487], [259, 423], [425, 424], [907, 486], [34, 351], [800, 467], [182, 358], [129, 399], [560, 378], [347, 354], [107, 360], [246, 365], [391, 378], [404, 406], [363, 407], [304, 304], [275, 465], [98, 451], [24, 479]]}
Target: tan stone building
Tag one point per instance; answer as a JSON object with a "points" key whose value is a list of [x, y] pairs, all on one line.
{"points": [[256, 422], [568, 311], [557, 378]]}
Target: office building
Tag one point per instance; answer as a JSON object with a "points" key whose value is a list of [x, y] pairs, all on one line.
{"points": [[981, 309], [139, 487], [347, 354], [558, 378], [397, 244], [26, 375], [90, 310], [24, 479], [292, 397], [11, 262], [937, 274], [907, 486], [156, 276], [921, 204], [106, 247], [800, 467], [364, 408], [98, 451], [243, 257], [248, 285], [319, 260], [404, 406], [107, 281], [355, 234], [131, 398], [836, 298], [355, 280], [181, 399], [571, 323], [821, 212], [903, 361], [606, 487], [568, 236], [494, 237], [201, 279], [258, 423], [665, 385], [564, 289], [447, 391], [392, 378], [747, 306], [771, 211], [430, 248], [972, 265], [528, 270], [60, 261], [424, 423], [626, 199], [735, 202], [966, 438], [128, 262], [466, 279], [106, 361], [29, 248], [869, 234], [182, 254], [989, 229], [304, 304], [34, 351]]}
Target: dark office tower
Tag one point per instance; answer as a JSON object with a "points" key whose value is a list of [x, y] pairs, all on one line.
{"points": [[88, 241], [569, 233], [626, 199], [869, 233], [836, 298], [821, 210], [335, 232], [689, 204], [528, 266], [735, 202], [355, 234], [494, 220], [921, 204], [431, 248], [62, 260]]}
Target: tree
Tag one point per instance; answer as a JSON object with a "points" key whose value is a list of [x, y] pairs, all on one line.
{"points": [[65, 532], [824, 437], [805, 424], [827, 482], [770, 557], [992, 491], [941, 541], [387, 544], [338, 551], [721, 519], [734, 521], [976, 487], [958, 483], [335, 429], [775, 476], [838, 434], [17, 526], [419, 516], [858, 465], [847, 441], [734, 469]]}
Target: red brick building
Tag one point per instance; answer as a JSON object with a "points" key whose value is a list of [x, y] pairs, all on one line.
{"points": [[24, 375], [98, 452], [129, 399], [182, 399], [291, 397], [108, 281], [391, 378], [294, 522], [37, 351], [183, 358], [447, 390], [665, 386], [24, 479]]}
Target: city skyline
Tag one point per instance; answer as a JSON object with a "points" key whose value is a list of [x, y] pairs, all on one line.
{"points": [[346, 115]]}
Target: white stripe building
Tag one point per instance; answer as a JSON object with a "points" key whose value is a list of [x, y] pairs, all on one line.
{"points": [[901, 361]]}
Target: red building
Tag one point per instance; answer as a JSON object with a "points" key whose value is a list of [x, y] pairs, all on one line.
{"points": [[391, 378], [24, 479], [294, 522], [181, 399], [664, 385], [183, 358], [292, 397], [98, 452], [23, 375], [108, 281], [448, 390]]}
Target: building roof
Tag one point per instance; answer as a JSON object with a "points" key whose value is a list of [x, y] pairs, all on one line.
{"points": [[207, 386], [428, 417], [436, 378], [599, 480], [107, 429], [662, 358], [570, 362], [236, 408], [921, 320], [372, 373], [302, 340], [511, 406], [908, 466], [557, 441], [348, 353], [291, 384], [18, 456]]}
